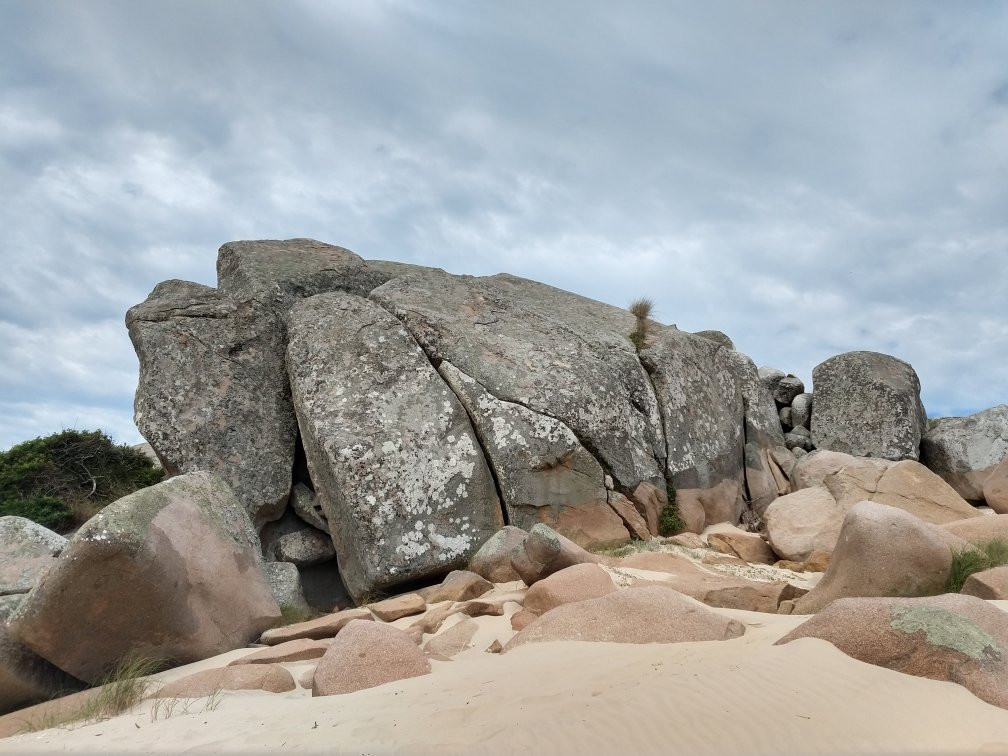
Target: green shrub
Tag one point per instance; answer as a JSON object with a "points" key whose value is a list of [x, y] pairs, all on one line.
{"points": [[72, 471], [670, 521], [984, 556], [45, 510]]}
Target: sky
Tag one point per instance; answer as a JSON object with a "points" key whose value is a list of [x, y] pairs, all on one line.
{"points": [[809, 177]]}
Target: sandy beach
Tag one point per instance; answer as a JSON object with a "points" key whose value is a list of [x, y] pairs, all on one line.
{"points": [[739, 696]]}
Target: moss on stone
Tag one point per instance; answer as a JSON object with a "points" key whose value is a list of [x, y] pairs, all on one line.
{"points": [[947, 629]]}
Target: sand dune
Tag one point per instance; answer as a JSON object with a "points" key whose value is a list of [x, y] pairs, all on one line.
{"points": [[738, 696]]}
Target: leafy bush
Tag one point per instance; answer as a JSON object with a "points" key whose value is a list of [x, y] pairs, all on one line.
{"points": [[984, 556], [670, 521], [62, 480]]}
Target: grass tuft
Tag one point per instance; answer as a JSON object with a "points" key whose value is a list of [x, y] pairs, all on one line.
{"points": [[641, 309], [984, 556]]}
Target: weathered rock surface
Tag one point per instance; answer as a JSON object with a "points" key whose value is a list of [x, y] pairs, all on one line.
{"points": [[285, 584], [493, 559], [558, 354], [633, 615], [812, 470], [786, 390], [277, 273], [543, 552], [405, 488], [907, 485], [995, 488], [801, 411], [366, 654], [803, 522], [544, 473], [305, 505], [868, 404], [302, 649], [452, 641], [956, 638], [976, 530], [328, 626], [748, 547], [396, 607], [718, 337], [649, 500], [212, 392], [271, 678], [881, 551], [458, 585], [632, 519], [577, 583], [172, 571], [305, 547], [27, 551], [965, 450], [26, 678], [988, 584]]}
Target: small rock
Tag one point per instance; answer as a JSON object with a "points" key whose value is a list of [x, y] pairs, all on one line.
{"points": [[544, 551], [306, 506], [801, 411], [268, 677], [459, 585], [787, 389], [746, 546], [305, 547], [452, 641], [522, 619], [493, 560], [494, 648], [577, 583], [367, 654], [301, 649], [393, 608]]}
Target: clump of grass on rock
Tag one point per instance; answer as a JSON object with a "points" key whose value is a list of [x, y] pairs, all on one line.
{"points": [[641, 310], [61, 481], [984, 556], [670, 521]]}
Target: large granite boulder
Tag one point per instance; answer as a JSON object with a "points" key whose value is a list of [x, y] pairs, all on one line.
{"points": [[27, 551], [964, 451], [881, 551], [804, 522], [399, 473], [544, 551], [960, 639], [577, 583], [278, 273], [557, 354], [868, 404], [710, 397], [544, 473], [170, 572], [213, 394], [367, 654]]}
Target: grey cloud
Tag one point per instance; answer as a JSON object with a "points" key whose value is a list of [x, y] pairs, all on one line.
{"points": [[809, 178]]}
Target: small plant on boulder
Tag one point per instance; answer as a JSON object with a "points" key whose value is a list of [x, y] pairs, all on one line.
{"points": [[984, 556], [62, 480], [670, 521], [641, 310]]}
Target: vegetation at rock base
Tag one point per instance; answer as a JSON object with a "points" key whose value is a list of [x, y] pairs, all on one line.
{"points": [[993, 553], [291, 615], [62, 480], [641, 309], [670, 521]]}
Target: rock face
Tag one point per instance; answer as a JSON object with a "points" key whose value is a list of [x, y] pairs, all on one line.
{"points": [[171, 571], [634, 615], [803, 522], [366, 654], [965, 450], [27, 551], [212, 392], [881, 551], [959, 639], [544, 473], [557, 354], [406, 491], [868, 404]]}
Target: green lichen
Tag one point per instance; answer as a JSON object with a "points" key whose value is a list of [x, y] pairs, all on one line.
{"points": [[947, 629]]}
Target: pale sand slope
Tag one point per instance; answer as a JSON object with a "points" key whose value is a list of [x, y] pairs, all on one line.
{"points": [[739, 696]]}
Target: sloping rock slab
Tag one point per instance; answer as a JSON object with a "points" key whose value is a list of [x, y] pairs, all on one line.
{"points": [[213, 394], [458, 585], [965, 450], [170, 572], [302, 649], [633, 615], [960, 639], [452, 641], [366, 654], [405, 488], [27, 551], [271, 678], [868, 404], [316, 629]]}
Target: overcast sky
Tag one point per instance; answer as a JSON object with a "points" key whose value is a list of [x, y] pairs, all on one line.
{"points": [[809, 177]]}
